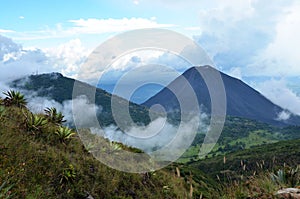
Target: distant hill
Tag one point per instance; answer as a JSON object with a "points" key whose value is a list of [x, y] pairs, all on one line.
{"points": [[242, 100], [59, 88]]}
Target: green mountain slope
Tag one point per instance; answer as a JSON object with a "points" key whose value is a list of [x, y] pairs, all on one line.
{"points": [[240, 133], [59, 88], [260, 158], [37, 163]]}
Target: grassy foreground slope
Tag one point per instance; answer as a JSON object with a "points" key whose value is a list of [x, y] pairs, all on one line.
{"points": [[38, 163], [258, 172]]}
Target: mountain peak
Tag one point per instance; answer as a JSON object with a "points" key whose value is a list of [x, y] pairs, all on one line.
{"points": [[53, 75], [242, 100]]}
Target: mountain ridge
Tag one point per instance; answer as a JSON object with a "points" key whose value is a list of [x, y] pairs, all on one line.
{"points": [[60, 88], [242, 100]]}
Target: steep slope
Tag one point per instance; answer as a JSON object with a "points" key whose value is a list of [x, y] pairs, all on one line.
{"points": [[35, 164], [59, 88], [242, 100]]}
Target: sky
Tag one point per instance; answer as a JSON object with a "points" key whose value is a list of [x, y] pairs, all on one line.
{"points": [[253, 40]]}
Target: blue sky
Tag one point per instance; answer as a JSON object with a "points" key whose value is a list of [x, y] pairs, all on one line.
{"points": [[254, 40]]}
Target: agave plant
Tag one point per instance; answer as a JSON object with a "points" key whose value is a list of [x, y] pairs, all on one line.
{"points": [[54, 116], [114, 146], [35, 122], [287, 176], [64, 134], [68, 174], [279, 177], [14, 98]]}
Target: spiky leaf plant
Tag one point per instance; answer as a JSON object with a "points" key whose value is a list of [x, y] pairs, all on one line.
{"points": [[64, 134], [14, 98], [35, 122], [54, 116]]}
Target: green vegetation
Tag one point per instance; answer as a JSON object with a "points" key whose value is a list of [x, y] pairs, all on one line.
{"points": [[35, 123], [64, 134], [35, 163], [60, 89], [40, 158], [54, 116], [5, 192], [239, 134], [14, 98], [258, 172]]}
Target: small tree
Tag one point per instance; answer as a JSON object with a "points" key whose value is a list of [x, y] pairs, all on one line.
{"points": [[14, 98]]}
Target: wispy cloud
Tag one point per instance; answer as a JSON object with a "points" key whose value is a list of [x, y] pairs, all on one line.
{"points": [[77, 27], [6, 31], [93, 26]]}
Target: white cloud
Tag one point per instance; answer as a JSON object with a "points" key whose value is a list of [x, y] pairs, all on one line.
{"points": [[283, 115], [21, 17], [68, 57], [16, 61], [6, 31], [281, 56], [93, 26], [235, 33], [156, 135], [77, 27], [136, 2], [235, 72], [193, 28], [278, 92]]}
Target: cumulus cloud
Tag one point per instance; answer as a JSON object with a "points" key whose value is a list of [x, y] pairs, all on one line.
{"points": [[68, 57], [16, 61], [283, 115], [280, 57], [234, 33], [279, 93]]}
